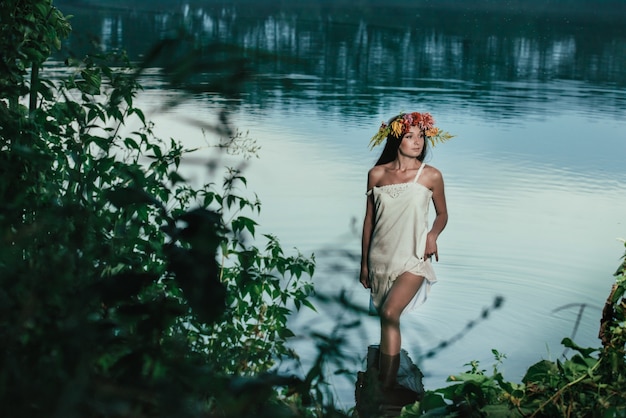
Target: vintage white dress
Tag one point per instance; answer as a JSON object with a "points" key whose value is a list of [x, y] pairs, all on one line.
{"points": [[399, 238]]}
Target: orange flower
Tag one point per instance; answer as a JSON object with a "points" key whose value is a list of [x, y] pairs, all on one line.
{"points": [[433, 131]]}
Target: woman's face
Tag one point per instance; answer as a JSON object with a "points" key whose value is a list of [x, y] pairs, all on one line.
{"points": [[412, 143]]}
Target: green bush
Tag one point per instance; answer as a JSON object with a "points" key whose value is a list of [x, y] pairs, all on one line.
{"points": [[124, 291]]}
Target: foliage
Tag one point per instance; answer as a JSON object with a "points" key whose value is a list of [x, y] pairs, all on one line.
{"points": [[29, 33], [123, 290], [592, 383], [262, 287]]}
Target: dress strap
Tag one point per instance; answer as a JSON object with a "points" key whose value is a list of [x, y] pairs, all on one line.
{"points": [[419, 171]]}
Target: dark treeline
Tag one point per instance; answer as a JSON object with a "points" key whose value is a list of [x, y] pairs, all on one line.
{"points": [[583, 7], [367, 48], [374, 45]]}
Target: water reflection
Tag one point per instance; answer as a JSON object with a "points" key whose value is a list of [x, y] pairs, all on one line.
{"points": [[365, 51]]}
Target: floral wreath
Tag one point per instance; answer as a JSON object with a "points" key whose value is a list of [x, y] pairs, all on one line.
{"points": [[401, 124]]}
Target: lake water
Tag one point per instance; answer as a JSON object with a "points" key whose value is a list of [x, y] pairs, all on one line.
{"points": [[535, 179]]}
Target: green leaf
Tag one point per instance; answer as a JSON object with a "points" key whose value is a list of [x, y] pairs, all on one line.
{"points": [[586, 352], [175, 177], [468, 377], [309, 305], [432, 400], [41, 8], [543, 371], [140, 114], [131, 143], [286, 333], [86, 88]]}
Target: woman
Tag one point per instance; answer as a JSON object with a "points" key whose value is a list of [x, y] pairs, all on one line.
{"points": [[397, 247]]}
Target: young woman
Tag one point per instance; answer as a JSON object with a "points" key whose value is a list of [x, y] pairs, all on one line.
{"points": [[397, 246]]}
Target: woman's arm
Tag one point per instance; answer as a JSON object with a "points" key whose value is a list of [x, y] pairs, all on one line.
{"points": [[368, 227], [441, 211]]}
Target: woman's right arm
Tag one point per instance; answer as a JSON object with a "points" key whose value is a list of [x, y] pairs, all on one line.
{"points": [[368, 226]]}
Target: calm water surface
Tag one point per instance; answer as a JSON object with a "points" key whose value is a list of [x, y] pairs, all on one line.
{"points": [[535, 178]]}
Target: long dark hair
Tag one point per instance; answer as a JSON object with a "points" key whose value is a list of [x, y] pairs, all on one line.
{"points": [[390, 152]]}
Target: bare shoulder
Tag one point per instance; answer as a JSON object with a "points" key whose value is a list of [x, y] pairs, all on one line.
{"points": [[432, 172], [376, 173], [432, 177]]}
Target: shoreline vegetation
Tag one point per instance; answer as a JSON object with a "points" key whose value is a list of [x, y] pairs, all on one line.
{"points": [[128, 293]]}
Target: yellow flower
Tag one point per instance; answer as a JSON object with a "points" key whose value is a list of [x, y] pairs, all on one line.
{"points": [[432, 131], [397, 127]]}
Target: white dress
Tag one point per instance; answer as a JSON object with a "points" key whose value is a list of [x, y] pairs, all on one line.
{"points": [[399, 239]]}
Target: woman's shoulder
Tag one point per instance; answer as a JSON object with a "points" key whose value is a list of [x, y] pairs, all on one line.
{"points": [[432, 177], [429, 170], [377, 171], [375, 174]]}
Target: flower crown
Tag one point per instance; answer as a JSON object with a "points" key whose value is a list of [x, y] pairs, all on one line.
{"points": [[401, 124]]}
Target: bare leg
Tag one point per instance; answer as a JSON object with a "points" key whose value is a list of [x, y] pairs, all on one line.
{"points": [[401, 293]]}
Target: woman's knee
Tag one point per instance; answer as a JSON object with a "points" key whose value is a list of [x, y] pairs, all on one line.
{"points": [[389, 316]]}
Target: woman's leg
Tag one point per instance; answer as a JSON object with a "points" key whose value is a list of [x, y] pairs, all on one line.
{"points": [[401, 293]]}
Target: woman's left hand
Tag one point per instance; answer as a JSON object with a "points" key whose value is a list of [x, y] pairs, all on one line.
{"points": [[431, 247]]}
